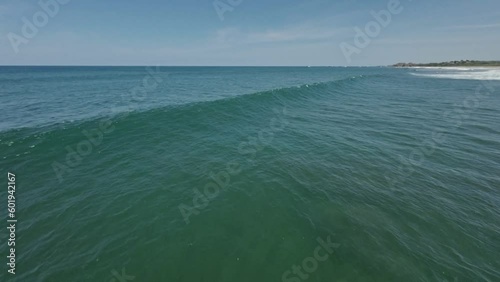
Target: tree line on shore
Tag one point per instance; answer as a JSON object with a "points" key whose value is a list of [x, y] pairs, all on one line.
{"points": [[462, 63]]}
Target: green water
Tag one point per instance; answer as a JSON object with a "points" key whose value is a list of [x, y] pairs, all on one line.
{"points": [[239, 174]]}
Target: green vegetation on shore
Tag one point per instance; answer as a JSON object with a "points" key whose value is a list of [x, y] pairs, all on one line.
{"points": [[462, 63]]}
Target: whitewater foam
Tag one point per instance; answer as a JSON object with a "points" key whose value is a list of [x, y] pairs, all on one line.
{"points": [[461, 73]]}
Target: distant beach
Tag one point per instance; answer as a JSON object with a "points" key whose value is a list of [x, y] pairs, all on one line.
{"points": [[462, 63]]}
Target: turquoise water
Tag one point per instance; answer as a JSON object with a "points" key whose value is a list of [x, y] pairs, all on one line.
{"points": [[245, 174]]}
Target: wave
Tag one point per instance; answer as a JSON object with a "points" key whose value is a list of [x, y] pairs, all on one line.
{"points": [[462, 73], [280, 94], [190, 119]]}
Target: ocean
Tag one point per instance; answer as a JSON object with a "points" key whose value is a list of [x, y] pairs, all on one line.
{"points": [[251, 174]]}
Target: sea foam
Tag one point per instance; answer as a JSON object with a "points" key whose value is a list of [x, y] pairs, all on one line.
{"points": [[460, 73]]}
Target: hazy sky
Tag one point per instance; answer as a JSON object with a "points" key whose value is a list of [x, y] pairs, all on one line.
{"points": [[254, 32]]}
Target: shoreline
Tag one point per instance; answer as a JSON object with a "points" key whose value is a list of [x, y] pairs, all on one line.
{"points": [[452, 67]]}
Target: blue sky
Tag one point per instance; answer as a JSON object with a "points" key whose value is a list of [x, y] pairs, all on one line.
{"points": [[255, 32]]}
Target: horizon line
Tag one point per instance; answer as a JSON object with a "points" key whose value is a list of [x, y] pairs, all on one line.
{"points": [[214, 66]]}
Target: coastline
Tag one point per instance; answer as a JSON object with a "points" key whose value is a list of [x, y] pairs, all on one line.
{"points": [[448, 67], [453, 68], [451, 64]]}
